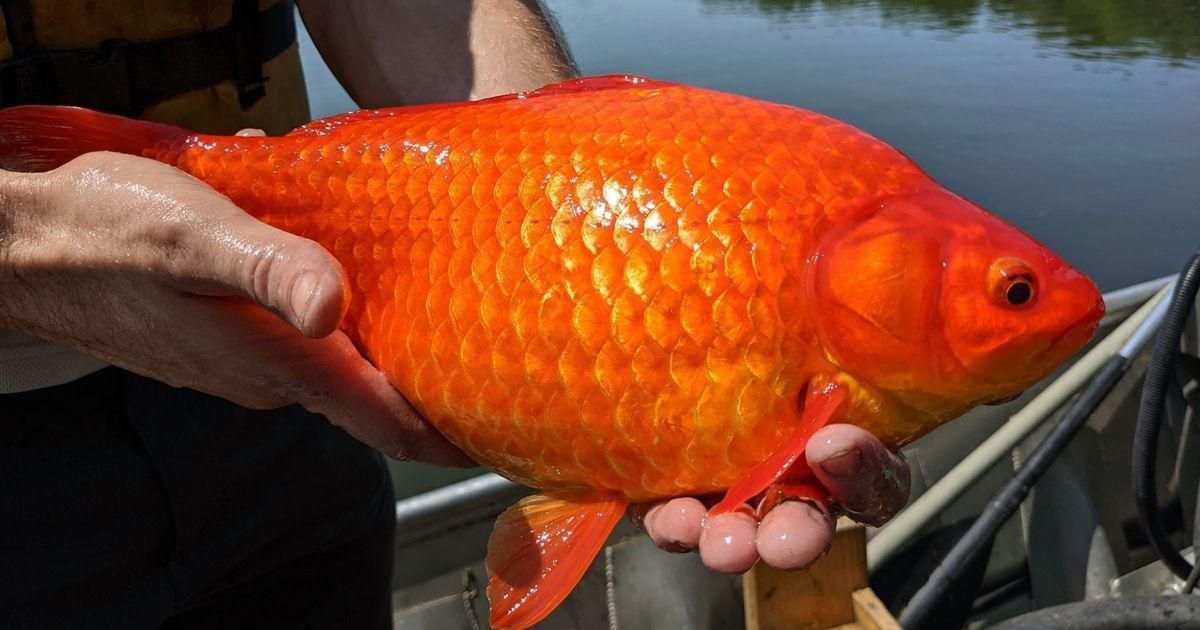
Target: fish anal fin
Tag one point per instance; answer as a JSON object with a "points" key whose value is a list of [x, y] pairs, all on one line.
{"points": [[538, 551], [788, 459]]}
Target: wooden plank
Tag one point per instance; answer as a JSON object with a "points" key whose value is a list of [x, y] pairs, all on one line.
{"points": [[817, 598], [870, 613]]}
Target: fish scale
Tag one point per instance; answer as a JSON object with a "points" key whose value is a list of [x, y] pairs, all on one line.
{"points": [[609, 243]]}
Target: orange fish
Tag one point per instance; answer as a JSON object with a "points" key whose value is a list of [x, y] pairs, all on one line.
{"points": [[618, 290]]}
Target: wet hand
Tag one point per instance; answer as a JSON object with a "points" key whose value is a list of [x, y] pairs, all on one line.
{"points": [[865, 480], [145, 267]]}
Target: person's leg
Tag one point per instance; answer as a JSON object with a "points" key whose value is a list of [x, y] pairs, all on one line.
{"points": [[346, 587], [85, 524], [276, 511], [124, 501]]}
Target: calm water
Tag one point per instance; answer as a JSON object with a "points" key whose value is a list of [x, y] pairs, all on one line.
{"points": [[1077, 120]]}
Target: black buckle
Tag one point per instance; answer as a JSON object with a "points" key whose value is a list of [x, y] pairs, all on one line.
{"points": [[98, 77]]}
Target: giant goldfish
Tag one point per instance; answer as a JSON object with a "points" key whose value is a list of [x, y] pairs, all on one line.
{"points": [[619, 290]]}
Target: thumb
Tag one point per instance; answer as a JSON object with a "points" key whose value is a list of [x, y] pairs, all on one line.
{"points": [[291, 276], [862, 476]]}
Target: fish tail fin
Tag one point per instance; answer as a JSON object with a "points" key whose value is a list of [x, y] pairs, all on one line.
{"points": [[43, 137], [538, 551]]}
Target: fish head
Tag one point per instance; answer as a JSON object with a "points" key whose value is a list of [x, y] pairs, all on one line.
{"points": [[944, 306]]}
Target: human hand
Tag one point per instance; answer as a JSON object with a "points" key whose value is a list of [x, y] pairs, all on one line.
{"points": [[147, 268], [865, 480]]}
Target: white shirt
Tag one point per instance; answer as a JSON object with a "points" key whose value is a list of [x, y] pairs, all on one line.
{"points": [[28, 363]]}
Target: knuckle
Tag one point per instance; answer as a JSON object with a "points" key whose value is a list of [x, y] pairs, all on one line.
{"points": [[266, 267], [170, 237], [94, 170], [258, 265], [96, 162]]}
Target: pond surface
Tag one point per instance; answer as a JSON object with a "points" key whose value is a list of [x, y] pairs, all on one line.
{"points": [[1077, 120]]}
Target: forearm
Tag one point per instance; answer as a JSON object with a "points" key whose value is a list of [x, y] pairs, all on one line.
{"points": [[18, 198], [419, 51]]}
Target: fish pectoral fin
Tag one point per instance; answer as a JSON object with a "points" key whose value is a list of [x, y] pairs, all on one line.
{"points": [[789, 458], [808, 489], [538, 551]]}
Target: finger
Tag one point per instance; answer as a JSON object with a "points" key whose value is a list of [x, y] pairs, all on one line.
{"points": [[327, 376], [356, 396], [291, 276], [251, 133], [867, 480], [727, 542], [794, 534], [675, 525]]}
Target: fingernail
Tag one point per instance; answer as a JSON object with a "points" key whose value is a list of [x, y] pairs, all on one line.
{"points": [[304, 288], [822, 515], [845, 463]]}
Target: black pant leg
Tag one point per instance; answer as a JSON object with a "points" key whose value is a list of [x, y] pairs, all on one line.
{"points": [[85, 523], [343, 588], [124, 501]]}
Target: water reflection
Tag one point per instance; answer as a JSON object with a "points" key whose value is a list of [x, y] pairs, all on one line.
{"points": [[1090, 29]]}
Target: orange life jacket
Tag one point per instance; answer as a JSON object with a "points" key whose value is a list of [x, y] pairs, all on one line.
{"points": [[211, 65]]}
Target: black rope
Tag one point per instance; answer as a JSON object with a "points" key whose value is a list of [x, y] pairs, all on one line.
{"points": [[1009, 498], [1149, 421]]}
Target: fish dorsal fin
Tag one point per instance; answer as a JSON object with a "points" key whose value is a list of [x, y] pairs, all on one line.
{"points": [[789, 458], [323, 126], [590, 84], [583, 86], [538, 551]]}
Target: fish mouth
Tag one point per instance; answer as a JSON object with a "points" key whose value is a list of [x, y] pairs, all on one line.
{"points": [[1074, 337], [1058, 350]]}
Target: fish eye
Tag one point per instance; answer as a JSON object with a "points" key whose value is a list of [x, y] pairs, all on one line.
{"points": [[1012, 282], [1019, 292]]}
